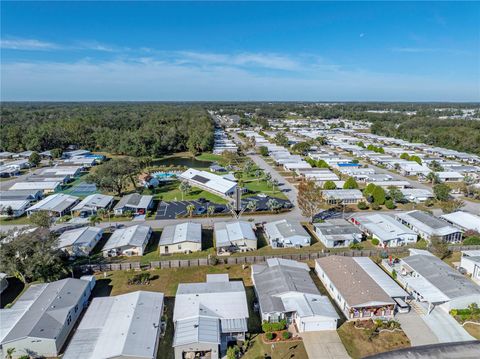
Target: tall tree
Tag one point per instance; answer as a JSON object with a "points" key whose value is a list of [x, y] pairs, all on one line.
{"points": [[34, 159], [115, 175], [350, 183], [309, 199], [442, 192]]}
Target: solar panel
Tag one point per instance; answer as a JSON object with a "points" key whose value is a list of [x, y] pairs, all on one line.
{"points": [[200, 179]]}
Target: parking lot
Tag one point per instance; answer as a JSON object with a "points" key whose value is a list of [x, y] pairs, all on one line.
{"points": [[174, 209]]}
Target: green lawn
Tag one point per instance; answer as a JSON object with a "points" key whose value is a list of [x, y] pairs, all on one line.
{"points": [[261, 186], [15, 221], [259, 350], [207, 156], [170, 192]]}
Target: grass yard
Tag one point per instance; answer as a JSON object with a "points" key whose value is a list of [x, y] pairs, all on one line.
{"points": [[207, 156], [359, 345], [15, 221], [452, 258], [261, 186], [170, 192], [259, 350]]}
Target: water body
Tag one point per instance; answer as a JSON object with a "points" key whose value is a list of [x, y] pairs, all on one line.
{"points": [[190, 162]]}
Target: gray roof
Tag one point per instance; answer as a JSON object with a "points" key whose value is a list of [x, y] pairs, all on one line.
{"points": [[79, 236], [134, 236], [277, 278], [41, 312], [227, 233], [285, 229], [58, 202], [123, 325], [338, 229], [20, 194], [427, 223], [134, 200], [440, 275], [199, 329], [94, 201], [180, 233]]}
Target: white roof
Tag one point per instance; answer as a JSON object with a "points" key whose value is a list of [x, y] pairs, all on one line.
{"points": [[308, 305], [427, 223], [214, 182], [447, 174], [61, 170], [383, 226], [227, 233], [79, 236], [125, 325], [463, 220], [343, 193], [134, 236], [58, 202], [14, 205], [182, 232], [94, 201], [41, 185], [388, 285]]}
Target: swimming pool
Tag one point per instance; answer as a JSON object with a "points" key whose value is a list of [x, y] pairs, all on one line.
{"points": [[164, 176]]}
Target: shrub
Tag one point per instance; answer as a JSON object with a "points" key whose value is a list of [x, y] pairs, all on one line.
{"points": [[139, 279], [375, 207], [421, 244], [473, 240], [375, 241], [356, 246], [390, 204], [394, 274], [269, 336], [266, 327], [362, 205], [286, 335]]}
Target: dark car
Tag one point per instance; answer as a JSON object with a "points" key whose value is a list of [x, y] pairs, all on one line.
{"points": [[202, 200], [201, 210]]}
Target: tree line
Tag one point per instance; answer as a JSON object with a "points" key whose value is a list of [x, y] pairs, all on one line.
{"points": [[136, 129]]}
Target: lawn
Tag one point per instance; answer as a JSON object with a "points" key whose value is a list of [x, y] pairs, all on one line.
{"points": [[207, 156], [452, 258], [261, 186], [170, 192], [15, 221], [359, 345], [473, 330], [259, 350]]}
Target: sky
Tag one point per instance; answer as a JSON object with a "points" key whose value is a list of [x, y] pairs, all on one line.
{"points": [[240, 51]]}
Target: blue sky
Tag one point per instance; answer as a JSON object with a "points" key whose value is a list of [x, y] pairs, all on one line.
{"points": [[315, 51]]}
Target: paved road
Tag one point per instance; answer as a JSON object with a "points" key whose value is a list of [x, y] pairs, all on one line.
{"points": [[324, 344]]}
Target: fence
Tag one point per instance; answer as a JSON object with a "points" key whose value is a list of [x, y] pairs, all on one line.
{"points": [[197, 262]]}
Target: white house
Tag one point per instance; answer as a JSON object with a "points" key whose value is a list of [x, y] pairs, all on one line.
{"points": [[80, 241], [470, 261], [337, 233], [343, 196], [40, 321], [235, 236], [463, 220], [210, 182], [181, 238], [417, 195], [129, 241], [286, 291], [136, 203], [285, 233], [58, 204], [92, 203], [386, 229], [124, 326]]}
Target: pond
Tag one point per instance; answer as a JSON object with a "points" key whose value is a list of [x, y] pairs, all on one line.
{"points": [[182, 161]]}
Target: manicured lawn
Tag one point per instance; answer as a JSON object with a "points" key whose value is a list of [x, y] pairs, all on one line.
{"points": [[261, 186], [170, 192], [15, 221], [359, 345], [207, 156]]}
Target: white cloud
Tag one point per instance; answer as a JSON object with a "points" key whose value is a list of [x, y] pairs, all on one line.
{"points": [[27, 44], [429, 50]]}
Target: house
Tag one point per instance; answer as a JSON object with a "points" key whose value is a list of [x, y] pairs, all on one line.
{"points": [[207, 316], [428, 226], [45, 186], [337, 233], [449, 176], [285, 233], [292, 166], [80, 242], [285, 291], [463, 220], [181, 238], [123, 326], [360, 288], [390, 183], [342, 196], [92, 203], [470, 261], [417, 195], [80, 161], [136, 203], [234, 236], [75, 153], [70, 171], [209, 182], [432, 281], [129, 241], [21, 195], [58, 204], [386, 229], [40, 321], [411, 168], [13, 208]]}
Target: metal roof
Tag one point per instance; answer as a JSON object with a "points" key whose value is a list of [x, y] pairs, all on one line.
{"points": [[123, 325], [463, 220], [338, 229], [427, 223], [180, 233], [20, 194], [94, 201], [343, 193], [227, 233], [383, 226], [438, 277], [43, 186], [41, 312], [134, 236], [134, 200], [287, 231], [308, 305], [209, 180], [80, 236], [58, 202], [355, 285], [199, 329]]}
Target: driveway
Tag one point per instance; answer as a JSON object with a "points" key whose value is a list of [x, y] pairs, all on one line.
{"points": [[416, 329], [445, 327], [324, 345]]}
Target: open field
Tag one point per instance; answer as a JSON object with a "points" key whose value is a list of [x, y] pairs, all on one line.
{"points": [[169, 191]]}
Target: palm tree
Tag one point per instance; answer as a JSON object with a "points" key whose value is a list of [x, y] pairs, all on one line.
{"points": [[184, 187], [272, 204], [268, 176], [252, 206], [210, 210], [94, 220], [10, 352], [433, 178], [190, 208], [274, 184]]}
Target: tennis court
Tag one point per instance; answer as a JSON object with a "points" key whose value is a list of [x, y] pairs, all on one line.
{"points": [[81, 189]]}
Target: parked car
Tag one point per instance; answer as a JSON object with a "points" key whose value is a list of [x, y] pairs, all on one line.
{"points": [[200, 210]]}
